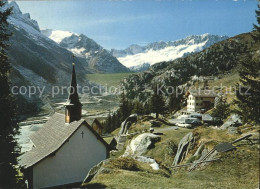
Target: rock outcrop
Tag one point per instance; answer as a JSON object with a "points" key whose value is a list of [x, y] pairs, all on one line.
{"points": [[233, 121], [127, 123], [96, 170], [185, 145], [122, 134], [141, 144]]}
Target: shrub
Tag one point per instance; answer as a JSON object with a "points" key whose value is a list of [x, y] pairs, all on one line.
{"points": [[125, 163]]}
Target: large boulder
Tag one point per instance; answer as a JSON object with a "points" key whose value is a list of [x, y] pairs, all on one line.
{"points": [[125, 125], [141, 144], [185, 145], [233, 121]]}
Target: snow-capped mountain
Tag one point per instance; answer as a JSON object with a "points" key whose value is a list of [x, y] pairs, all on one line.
{"points": [[41, 62], [136, 55], [37, 60], [96, 57]]}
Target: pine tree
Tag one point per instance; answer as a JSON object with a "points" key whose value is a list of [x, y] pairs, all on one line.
{"points": [[109, 122], [221, 110], [174, 102], [248, 92], [138, 108], [256, 29], [9, 149], [124, 109], [157, 103]]}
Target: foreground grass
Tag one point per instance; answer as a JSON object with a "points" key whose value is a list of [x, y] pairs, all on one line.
{"points": [[109, 80], [237, 169]]}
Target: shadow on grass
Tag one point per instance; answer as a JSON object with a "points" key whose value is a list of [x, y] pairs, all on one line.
{"points": [[95, 186]]}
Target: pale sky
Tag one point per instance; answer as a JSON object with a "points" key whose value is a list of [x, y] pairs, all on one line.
{"points": [[118, 24]]}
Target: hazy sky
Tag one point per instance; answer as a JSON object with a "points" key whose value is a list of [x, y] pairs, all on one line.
{"points": [[120, 23]]}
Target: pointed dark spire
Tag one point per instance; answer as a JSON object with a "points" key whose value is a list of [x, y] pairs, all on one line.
{"points": [[73, 95], [73, 105]]}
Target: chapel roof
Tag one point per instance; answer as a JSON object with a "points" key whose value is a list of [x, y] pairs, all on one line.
{"points": [[51, 137]]}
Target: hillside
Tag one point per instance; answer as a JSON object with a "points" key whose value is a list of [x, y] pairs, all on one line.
{"points": [[218, 59]]}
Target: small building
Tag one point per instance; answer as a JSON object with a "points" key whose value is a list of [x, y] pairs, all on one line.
{"points": [[64, 149], [96, 125], [200, 100]]}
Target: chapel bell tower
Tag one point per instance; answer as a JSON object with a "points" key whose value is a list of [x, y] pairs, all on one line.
{"points": [[73, 106]]}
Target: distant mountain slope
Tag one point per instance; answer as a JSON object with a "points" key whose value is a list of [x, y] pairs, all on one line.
{"points": [[217, 59], [152, 53], [96, 58], [37, 60]]}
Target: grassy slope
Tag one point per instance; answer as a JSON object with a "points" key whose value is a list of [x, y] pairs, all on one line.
{"points": [[226, 82], [237, 169], [107, 79]]}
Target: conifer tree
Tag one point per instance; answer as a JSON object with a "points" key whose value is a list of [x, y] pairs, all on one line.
{"points": [[124, 109], [109, 122], [221, 110], [157, 103], [256, 28], [138, 108], [9, 149], [174, 102], [248, 92]]}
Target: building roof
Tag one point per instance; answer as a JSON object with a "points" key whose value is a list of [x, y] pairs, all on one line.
{"points": [[51, 137], [203, 93]]}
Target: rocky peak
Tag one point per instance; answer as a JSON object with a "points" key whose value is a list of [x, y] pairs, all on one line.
{"points": [[17, 17]]}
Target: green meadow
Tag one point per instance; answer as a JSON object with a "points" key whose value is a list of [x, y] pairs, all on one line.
{"points": [[111, 79]]}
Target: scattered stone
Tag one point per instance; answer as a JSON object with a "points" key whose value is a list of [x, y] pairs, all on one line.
{"points": [[233, 121], [233, 130], [184, 147]]}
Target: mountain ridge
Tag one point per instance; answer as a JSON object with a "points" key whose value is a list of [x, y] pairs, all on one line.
{"points": [[136, 55], [219, 58], [97, 58]]}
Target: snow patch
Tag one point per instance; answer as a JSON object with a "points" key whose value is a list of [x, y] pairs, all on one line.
{"points": [[166, 54], [59, 35]]}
